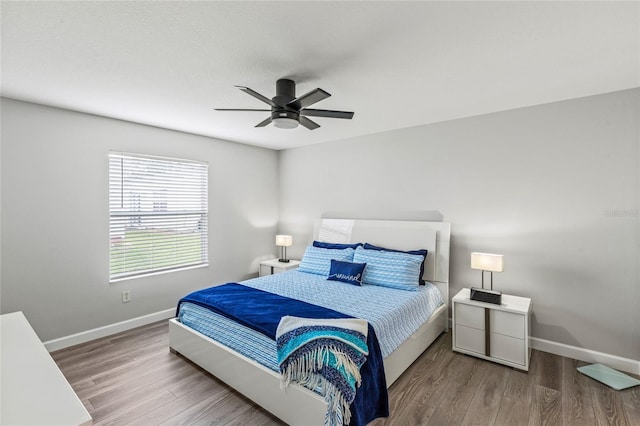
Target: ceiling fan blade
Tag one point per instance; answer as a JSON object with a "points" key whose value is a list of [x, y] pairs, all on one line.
{"points": [[309, 124], [257, 95], [327, 113], [264, 123], [236, 109], [310, 98]]}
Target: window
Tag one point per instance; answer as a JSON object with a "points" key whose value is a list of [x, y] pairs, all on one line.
{"points": [[157, 214]]}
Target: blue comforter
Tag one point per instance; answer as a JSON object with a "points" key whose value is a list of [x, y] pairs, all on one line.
{"points": [[262, 311]]}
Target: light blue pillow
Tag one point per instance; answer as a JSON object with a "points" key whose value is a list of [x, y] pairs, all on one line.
{"points": [[347, 272], [390, 269], [317, 260], [421, 252]]}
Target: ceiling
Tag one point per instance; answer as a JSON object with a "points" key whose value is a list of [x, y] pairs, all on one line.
{"points": [[396, 64]]}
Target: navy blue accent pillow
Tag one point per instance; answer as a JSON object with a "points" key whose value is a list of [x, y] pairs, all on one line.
{"points": [[421, 252], [347, 272], [337, 246]]}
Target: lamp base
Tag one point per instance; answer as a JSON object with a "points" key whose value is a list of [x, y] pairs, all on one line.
{"points": [[487, 296], [283, 260]]}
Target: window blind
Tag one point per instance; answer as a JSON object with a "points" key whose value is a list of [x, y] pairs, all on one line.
{"points": [[157, 214]]}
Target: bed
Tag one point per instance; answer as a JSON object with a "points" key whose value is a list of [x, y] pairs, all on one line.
{"points": [[298, 405]]}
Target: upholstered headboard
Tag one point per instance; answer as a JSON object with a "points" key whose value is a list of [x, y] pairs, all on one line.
{"points": [[399, 235]]}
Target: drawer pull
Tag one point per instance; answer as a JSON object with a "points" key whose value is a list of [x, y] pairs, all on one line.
{"points": [[487, 328]]}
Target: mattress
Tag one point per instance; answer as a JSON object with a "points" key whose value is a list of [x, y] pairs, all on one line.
{"points": [[394, 314]]}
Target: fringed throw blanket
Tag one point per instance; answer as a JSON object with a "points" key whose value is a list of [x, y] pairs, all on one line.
{"points": [[324, 355], [262, 311]]}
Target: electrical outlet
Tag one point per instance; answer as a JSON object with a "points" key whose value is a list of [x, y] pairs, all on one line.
{"points": [[126, 296]]}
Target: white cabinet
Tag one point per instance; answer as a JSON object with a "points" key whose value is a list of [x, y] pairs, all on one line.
{"points": [[498, 333], [274, 266], [34, 391]]}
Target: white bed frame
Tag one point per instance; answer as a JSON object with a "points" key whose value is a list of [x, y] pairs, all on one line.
{"points": [[297, 405]]}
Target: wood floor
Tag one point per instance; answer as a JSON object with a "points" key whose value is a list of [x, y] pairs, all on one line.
{"points": [[132, 379]]}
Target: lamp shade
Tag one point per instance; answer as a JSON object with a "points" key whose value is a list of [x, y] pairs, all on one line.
{"points": [[284, 240], [487, 262]]}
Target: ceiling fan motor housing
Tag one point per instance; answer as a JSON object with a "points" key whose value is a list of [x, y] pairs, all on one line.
{"points": [[285, 92]]}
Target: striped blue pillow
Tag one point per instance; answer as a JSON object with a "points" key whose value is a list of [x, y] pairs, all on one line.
{"points": [[421, 252], [390, 269], [317, 260]]}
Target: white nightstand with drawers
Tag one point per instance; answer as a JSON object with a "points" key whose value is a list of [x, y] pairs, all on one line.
{"points": [[498, 333], [274, 266]]}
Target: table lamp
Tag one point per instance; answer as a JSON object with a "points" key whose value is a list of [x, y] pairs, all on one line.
{"points": [[284, 241], [491, 263]]}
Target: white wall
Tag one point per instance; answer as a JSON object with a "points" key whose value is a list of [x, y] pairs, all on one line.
{"points": [[555, 188], [55, 221]]}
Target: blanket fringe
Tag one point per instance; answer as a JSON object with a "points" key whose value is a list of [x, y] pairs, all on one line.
{"points": [[302, 370], [314, 360]]}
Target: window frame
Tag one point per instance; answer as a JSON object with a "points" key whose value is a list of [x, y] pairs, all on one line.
{"points": [[159, 215]]}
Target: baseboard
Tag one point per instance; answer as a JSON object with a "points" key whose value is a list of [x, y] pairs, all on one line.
{"points": [[586, 355], [107, 330]]}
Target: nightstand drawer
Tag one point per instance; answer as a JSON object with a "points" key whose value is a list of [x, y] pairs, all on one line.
{"points": [[507, 348], [265, 270], [507, 323], [501, 347], [469, 338], [470, 316]]}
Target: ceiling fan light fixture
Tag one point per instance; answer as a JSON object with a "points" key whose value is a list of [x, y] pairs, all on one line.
{"points": [[285, 123]]}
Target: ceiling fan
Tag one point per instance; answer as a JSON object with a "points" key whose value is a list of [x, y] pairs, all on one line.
{"points": [[287, 111]]}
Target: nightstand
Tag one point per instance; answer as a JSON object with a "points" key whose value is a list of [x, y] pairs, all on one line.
{"points": [[274, 266], [498, 333]]}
